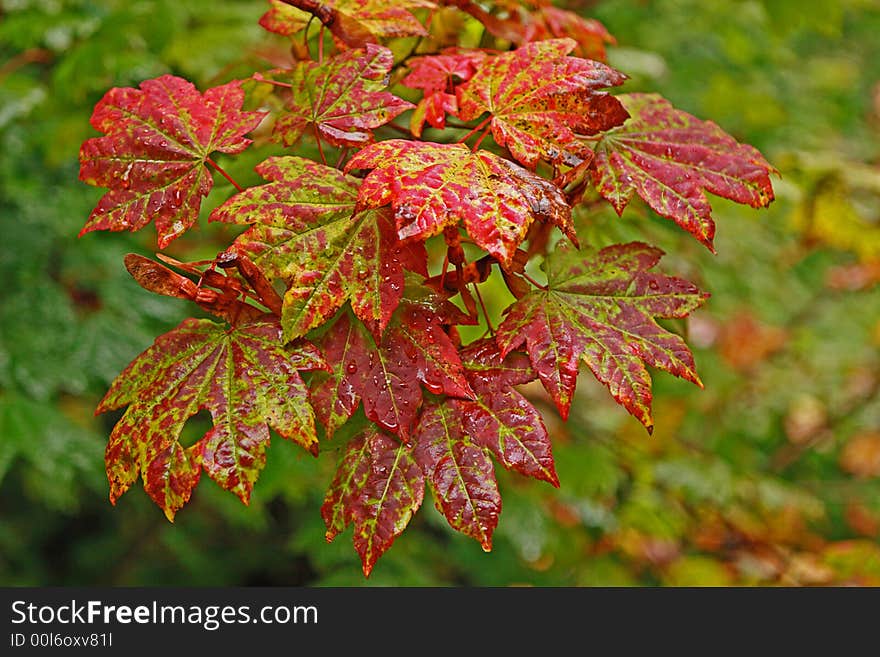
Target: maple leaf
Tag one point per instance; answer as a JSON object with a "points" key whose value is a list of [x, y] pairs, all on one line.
{"points": [[306, 232], [354, 22], [539, 20], [243, 375], [342, 98], [540, 100], [460, 473], [669, 157], [499, 417], [443, 71], [378, 487], [157, 140], [388, 376], [437, 76], [431, 186], [600, 307], [590, 35]]}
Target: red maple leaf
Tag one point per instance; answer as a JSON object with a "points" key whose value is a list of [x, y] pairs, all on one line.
{"points": [[537, 20], [388, 376], [378, 487], [669, 157], [431, 186], [343, 98], [600, 307], [499, 417], [540, 100], [460, 473], [152, 158], [305, 231], [437, 76], [590, 35]]}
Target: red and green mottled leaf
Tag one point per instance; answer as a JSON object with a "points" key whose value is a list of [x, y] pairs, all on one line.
{"points": [[590, 35], [460, 473], [540, 100], [354, 22], [437, 76], [538, 20], [600, 307], [342, 98], [365, 265], [304, 231], [442, 72], [431, 186], [499, 417], [243, 376], [378, 487], [670, 158], [344, 495], [388, 376], [152, 156]]}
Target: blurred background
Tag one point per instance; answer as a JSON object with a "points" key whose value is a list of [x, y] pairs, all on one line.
{"points": [[769, 476]]}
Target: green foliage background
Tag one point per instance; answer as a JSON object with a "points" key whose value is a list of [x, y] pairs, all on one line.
{"points": [[771, 475]]}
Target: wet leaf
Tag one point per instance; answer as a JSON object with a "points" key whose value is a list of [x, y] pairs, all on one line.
{"points": [[437, 76], [342, 98], [600, 307], [500, 418], [535, 20], [244, 376], [590, 35], [354, 22], [152, 156], [388, 375], [670, 158], [460, 473], [540, 100], [378, 487], [305, 232], [431, 186]]}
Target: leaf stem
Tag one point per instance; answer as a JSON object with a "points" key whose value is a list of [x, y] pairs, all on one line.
{"points": [[223, 173], [321, 44], [480, 140], [533, 281], [477, 128], [483, 307], [259, 78], [318, 141], [306, 35]]}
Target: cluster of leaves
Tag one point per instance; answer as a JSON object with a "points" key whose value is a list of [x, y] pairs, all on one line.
{"points": [[335, 271]]}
